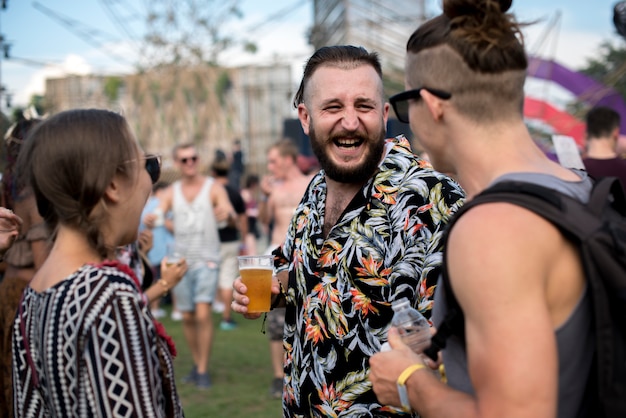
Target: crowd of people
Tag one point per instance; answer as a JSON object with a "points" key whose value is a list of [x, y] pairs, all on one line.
{"points": [[92, 248]]}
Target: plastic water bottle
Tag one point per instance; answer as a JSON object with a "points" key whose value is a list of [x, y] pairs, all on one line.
{"points": [[412, 325]]}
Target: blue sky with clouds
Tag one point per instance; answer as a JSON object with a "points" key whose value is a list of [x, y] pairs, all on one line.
{"points": [[38, 39]]}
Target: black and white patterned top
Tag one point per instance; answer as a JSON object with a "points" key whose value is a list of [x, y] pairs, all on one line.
{"points": [[89, 346]]}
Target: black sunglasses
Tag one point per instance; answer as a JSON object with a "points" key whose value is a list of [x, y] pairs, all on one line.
{"points": [[193, 159], [400, 101], [153, 166]]}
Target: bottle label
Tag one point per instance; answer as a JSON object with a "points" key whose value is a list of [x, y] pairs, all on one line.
{"points": [[416, 337]]}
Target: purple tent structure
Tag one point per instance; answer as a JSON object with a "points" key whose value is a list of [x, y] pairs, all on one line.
{"points": [[583, 87]]}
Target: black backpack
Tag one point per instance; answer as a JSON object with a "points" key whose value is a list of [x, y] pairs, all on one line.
{"points": [[598, 228]]}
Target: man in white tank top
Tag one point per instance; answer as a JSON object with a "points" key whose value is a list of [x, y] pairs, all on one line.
{"points": [[199, 205]]}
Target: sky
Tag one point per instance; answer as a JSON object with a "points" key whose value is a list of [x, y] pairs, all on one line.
{"points": [[569, 31]]}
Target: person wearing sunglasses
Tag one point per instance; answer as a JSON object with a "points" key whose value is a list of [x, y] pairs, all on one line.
{"points": [[365, 233], [200, 206], [524, 344], [84, 339]]}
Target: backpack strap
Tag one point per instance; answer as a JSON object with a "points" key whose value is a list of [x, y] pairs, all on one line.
{"points": [[453, 321], [574, 219]]}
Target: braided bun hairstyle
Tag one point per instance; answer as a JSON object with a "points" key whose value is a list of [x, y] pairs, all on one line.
{"points": [[488, 38], [475, 51], [457, 8], [69, 160]]}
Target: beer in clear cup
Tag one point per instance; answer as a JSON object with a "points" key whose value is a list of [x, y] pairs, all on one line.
{"points": [[256, 273]]}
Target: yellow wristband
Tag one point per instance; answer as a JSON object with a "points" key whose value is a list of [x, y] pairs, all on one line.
{"points": [[404, 376]]}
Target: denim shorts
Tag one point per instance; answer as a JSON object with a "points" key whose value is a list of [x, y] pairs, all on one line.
{"points": [[197, 286]]}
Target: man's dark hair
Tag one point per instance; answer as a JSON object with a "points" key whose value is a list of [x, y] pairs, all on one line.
{"points": [[220, 168], [340, 56], [601, 122]]}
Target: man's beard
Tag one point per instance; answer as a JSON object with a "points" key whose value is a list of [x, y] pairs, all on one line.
{"points": [[349, 175]]}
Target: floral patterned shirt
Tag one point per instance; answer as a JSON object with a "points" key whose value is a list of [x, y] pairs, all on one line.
{"points": [[386, 245]]}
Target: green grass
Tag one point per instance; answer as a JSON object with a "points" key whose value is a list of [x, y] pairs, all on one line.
{"points": [[240, 369]]}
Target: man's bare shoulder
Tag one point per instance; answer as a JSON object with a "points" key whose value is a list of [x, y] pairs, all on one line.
{"points": [[504, 239]]}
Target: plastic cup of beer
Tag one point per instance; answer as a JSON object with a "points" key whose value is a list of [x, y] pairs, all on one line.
{"points": [[173, 254], [256, 273]]}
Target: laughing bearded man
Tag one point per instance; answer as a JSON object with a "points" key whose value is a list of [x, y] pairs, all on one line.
{"points": [[367, 232]]}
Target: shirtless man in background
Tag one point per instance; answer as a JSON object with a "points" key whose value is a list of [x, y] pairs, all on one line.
{"points": [[283, 188]]}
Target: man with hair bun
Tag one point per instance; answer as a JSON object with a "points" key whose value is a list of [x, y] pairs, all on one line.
{"points": [[526, 346]]}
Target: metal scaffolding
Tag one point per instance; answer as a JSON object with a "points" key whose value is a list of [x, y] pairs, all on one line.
{"points": [[377, 25]]}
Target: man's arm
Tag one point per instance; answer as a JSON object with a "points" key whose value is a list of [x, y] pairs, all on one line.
{"points": [[501, 281], [242, 226], [169, 224], [386, 368], [222, 208], [171, 275], [239, 205], [499, 273], [165, 205], [266, 210]]}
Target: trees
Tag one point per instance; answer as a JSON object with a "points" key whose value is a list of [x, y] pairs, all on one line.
{"points": [[189, 32], [609, 67]]}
